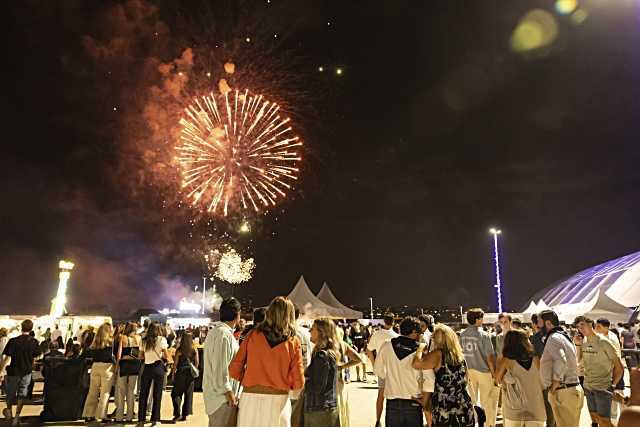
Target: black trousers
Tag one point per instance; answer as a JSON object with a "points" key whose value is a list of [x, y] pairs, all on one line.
{"points": [[152, 374], [183, 385]]}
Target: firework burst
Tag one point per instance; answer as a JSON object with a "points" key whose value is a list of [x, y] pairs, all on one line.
{"points": [[236, 152]]}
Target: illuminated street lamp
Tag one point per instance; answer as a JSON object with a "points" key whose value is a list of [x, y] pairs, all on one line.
{"points": [[496, 232], [58, 303]]}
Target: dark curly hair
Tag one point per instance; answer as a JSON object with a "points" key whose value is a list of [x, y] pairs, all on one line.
{"points": [[517, 345]]}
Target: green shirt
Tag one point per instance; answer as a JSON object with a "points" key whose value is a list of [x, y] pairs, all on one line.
{"points": [[598, 355]]}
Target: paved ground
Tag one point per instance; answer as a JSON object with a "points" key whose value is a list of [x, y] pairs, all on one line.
{"points": [[361, 398]]}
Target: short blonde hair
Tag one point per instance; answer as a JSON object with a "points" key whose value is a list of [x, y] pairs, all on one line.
{"points": [[445, 339]]}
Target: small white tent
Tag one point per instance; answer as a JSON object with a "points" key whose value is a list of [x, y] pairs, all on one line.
{"points": [[309, 305], [325, 295]]}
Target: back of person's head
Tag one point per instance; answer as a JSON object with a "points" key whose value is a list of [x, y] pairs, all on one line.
{"points": [[409, 325], [259, 315], [517, 345], [150, 338], [389, 319], [75, 350], [446, 340], [53, 346], [327, 338], [604, 322], [60, 342], [506, 316], [516, 323], [473, 315], [279, 322], [3, 332], [550, 316], [130, 329], [534, 319], [186, 344], [229, 309], [26, 326], [103, 337]]}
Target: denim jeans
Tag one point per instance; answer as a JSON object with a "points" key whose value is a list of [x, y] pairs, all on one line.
{"points": [[403, 413]]}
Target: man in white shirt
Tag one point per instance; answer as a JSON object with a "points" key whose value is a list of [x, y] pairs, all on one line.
{"points": [[56, 333], [404, 387], [306, 346], [379, 337], [426, 326], [219, 390]]}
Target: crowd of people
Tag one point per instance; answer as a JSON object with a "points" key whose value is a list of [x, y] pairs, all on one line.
{"points": [[275, 372]]}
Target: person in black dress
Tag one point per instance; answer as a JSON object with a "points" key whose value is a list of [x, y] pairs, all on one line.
{"points": [[184, 381]]}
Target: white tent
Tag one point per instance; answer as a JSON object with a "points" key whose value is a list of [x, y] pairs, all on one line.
{"points": [[325, 295], [309, 305], [600, 306], [533, 308]]}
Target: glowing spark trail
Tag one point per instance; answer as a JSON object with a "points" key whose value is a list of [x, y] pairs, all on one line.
{"points": [[236, 152]]}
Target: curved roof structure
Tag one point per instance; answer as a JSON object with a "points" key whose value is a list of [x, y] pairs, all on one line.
{"points": [[309, 305], [618, 279]]}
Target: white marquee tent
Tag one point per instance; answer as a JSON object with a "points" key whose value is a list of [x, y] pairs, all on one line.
{"points": [[325, 295], [310, 306]]}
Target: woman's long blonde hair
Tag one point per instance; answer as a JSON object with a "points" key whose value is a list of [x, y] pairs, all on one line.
{"points": [[103, 338], [327, 337], [280, 321], [445, 339]]}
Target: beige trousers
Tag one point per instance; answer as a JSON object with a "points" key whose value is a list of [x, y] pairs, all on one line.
{"points": [[566, 404], [485, 394], [101, 380], [125, 390]]}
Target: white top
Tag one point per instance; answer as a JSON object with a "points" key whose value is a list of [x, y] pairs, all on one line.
{"points": [[220, 347], [306, 345], [401, 381], [426, 338], [55, 334], [380, 337], [153, 355]]}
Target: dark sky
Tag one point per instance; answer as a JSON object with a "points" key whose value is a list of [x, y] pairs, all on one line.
{"points": [[437, 129]]}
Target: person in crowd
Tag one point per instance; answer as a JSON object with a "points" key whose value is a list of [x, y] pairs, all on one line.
{"points": [[102, 374], [60, 342], [517, 324], [321, 377], [480, 358], [183, 379], [305, 340], [239, 328], [17, 358], [258, 317], [47, 334], [4, 338], [78, 334], [57, 333], [505, 320], [349, 357], [54, 351], [220, 391], [518, 372], [379, 337], [171, 335], [537, 340], [129, 365], [450, 402], [602, 369], [426, 325], [68, 347], [269, 365], [87, 339], [404, 386], [76, 350], [359, 339], [559, 372], [154, 373]]}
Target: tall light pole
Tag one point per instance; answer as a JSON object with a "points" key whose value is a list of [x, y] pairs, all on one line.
{"points": [[496, 232], [58, 303]]}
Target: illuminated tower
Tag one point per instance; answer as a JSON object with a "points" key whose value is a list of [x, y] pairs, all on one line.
{"points": [[58, 303], [498, 285]]}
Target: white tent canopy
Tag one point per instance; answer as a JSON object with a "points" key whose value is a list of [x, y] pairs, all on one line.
{"points": [[600, 306], [309, 305], [325, 295]]}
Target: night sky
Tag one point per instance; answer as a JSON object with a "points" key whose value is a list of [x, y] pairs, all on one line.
{"points": [[437, 128]]}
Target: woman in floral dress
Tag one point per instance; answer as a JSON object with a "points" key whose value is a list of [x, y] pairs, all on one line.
{"points": [[450, 402]]}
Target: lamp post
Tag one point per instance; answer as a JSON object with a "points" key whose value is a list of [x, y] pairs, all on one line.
{"points": [[371, 306], [496, 232], [204, 292]]}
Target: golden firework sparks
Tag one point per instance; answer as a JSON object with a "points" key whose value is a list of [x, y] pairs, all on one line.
{"points": [[233, 269], [236, 151]]}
